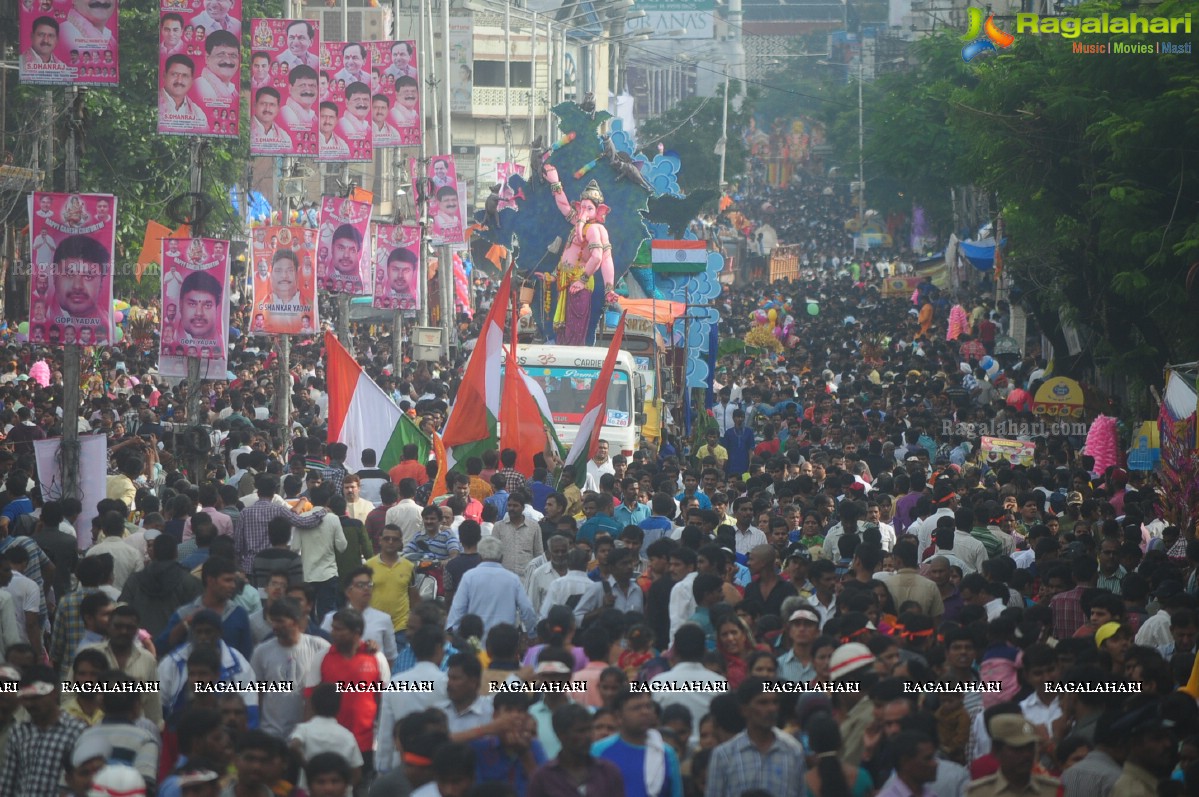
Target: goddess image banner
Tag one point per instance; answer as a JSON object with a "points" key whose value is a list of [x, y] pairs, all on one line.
{"points": [[71, 238], [284, 103], [342, 259], [69, 42], [395, 94], [284, 281], [397, 267], [195, 310], [346, 128], [199, 67]]}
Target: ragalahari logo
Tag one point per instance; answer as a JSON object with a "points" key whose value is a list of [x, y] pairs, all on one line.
{"points": [[983, 36]]}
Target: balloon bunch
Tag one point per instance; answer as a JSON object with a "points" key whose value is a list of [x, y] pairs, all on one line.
{"points": [[773, 322]]}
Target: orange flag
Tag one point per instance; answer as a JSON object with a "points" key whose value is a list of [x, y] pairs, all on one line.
{"points": [[362, 195], [439, 487], [152, 244]]}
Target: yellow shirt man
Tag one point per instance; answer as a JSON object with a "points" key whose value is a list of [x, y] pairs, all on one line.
{"points": [[392, 587]]}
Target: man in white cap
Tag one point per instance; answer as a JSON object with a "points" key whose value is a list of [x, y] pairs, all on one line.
{"points": [[34, 755], [803, 626], [117, 780], [1014, 743], [850, 663], [87, 759]]}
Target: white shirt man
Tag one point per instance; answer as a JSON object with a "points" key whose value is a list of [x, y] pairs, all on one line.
{"points": [[576, 590], [180, 114], [296, 116], [214, 90], [682, 602], [394, 706], [273, 139], [407, 516], [227, 21]]}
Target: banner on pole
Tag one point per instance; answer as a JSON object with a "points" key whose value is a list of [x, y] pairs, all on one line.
{"points": [[69, 44], [199, 68], [195, 309], [397, 267], [398, 89], [285, 108], [71, 238], [346, 106], [441, 183], [342, 260], [284, 281]]}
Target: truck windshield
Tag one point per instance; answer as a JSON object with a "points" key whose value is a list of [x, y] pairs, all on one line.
{"points": [[567, 390]]}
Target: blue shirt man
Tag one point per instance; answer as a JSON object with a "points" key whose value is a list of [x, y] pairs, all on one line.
{"points": [[739, 442]]}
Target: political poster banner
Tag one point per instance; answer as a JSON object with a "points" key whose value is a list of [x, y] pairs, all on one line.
{"points": [[195, 310], [397, 267], [462, 64], [284, 104], [441, 185], [71, 238], [345, 103], [284, 281], [199, 67], [343, 262], [69, 42], [396, 87], [503, 171]]}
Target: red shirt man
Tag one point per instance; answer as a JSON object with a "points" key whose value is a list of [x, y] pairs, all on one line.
{"points": [[356, 671]]}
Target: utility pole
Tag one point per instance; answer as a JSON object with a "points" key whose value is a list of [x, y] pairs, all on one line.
{"points": [[193, 363], [424, 58], [72, 352], [445, 270], [283, 383], [397, 320], [508, 85], [861, 157], [724, 126]]}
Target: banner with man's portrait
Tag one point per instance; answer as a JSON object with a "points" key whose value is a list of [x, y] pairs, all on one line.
{"points": [[199, 67], [69, 42], [343, 262], [71, 238], [284, 279], [397, 267], [395, 94], [284, 105], [346, 123], [445, 203], [195, 310]]}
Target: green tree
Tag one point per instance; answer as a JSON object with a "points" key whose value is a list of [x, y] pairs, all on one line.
{"points": [[123, 154], [1092, 157], [692, 129]]}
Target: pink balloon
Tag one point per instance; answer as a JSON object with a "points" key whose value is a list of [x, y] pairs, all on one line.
{"points": [[760, 316], [778, 332], [118, 317]]}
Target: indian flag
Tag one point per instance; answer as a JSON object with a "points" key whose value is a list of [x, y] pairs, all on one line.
{"points": [[586, 441], [362, 416], [471, 428], [679, 257]]}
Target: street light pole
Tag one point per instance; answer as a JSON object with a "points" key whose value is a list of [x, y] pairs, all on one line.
{"points": [[861, 150], [724, 126]]}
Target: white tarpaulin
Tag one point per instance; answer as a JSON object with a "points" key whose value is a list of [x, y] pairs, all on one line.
{"points": [[93, 473]]}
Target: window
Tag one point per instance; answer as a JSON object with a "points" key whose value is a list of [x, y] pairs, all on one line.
{"points": [[491, 74]]}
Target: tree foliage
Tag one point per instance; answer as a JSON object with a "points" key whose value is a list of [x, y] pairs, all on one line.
{"points": [[123, 154], [693, 128], [1093, 160]]}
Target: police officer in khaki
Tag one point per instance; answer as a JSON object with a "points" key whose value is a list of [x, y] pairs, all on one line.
{"points": [[1152, 744], [1014, 743]]}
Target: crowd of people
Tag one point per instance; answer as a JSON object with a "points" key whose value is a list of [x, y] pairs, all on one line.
{"points": [[827, 590]]}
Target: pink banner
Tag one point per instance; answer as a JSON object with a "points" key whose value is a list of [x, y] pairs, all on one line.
{"points": [[284, 281], [195, 310], [461, 286], [395, 100], [445, 211], [284, 102], [71, 239], [345, 110], [199, 67], [397, 267], [69, 42], [342, 260], [503, 171]]}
